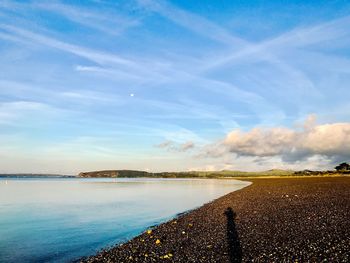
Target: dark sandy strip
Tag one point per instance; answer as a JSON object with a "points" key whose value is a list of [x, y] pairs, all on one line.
{"points": [[273, 220]]}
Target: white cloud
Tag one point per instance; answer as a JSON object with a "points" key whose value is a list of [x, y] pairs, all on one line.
{"points": [[260, 142], [165, 144], [187, 146], [330, 141], [176, 147]]}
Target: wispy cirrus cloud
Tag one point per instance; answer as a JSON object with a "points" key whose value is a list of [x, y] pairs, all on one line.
{"points": [[92, 55], [15, 112], [193, 78], [247, 53], [192, 21], [135, 70], [296, 38], [106, 21]]}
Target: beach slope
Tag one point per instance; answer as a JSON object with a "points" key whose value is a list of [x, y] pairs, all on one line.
{"points": [[272, 220]]}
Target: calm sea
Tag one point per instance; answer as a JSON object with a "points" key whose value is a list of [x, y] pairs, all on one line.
{"points": [[60, 220]]}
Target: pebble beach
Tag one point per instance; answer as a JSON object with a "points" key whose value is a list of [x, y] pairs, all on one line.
{"points": [[272, 220]]}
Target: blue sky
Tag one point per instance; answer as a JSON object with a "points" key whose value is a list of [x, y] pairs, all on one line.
{"points": [[173, 85]]}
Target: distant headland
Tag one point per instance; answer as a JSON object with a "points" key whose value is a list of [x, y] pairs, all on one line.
{"points": [[341, 169], [206, 174]]}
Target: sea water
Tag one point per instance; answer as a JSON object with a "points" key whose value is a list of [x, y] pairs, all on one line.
{"points": [[61, 220]]}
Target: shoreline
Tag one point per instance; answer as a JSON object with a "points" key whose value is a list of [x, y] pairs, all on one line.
{"points": [[27, 176], [272, 219]]}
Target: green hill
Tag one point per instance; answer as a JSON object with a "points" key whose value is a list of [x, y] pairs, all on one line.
{"points": [[190, 174]]}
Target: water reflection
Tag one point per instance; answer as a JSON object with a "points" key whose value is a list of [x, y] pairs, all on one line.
{"points": [[63, 219]]}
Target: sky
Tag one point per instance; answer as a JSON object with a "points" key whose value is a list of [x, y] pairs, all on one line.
{"points": [[173, 85]]}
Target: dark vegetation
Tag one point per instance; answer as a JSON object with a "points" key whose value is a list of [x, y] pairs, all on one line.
{"points": [[340, 169], [190, 174], [343, 167]]}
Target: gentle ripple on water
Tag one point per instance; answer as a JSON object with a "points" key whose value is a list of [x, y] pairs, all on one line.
{"points": [[59, 220]]}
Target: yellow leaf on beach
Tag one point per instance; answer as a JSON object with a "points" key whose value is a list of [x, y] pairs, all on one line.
{"points": [[149, 231], [157, 241]]}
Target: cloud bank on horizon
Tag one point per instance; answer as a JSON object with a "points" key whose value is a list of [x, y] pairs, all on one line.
{"points": [[173, 85], [327, 141]]}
